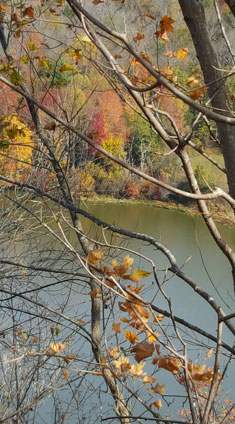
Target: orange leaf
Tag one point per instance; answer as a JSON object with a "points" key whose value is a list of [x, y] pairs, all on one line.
{"points": [[117, 327], [95, 2], [29, 11], [150, 16], [166, 24], [159, 389], [142, 350], [65, 374], [158, 404], [95, 256], [198, 93], [132, 337], [139, 36], [169, 363], [34, 340], [95, 293], [122, 363]]}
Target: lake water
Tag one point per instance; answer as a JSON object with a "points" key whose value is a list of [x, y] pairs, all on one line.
{"points": [[195, 251]]}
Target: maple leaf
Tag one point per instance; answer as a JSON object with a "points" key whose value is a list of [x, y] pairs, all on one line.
{"points": [[57, 347], [132, 337], [95, 293], [159, 389], [197, 93], [117, 327], [157, 404], [182, 53], [137, 370], [139, 36], [169, 54], [95, 256], [29, 11], [113, 353], [169, 363], [152, 337], [123, 363], [166, 24], [149, 379], [142, 350]]}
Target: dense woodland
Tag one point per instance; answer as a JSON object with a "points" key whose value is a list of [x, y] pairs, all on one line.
{"points": [[130, 99]]}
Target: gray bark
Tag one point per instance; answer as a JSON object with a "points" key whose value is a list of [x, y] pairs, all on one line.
{"points": [[194, 16]]}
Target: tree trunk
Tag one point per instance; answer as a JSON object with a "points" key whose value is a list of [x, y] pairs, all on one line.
{"points": [[194, 16]]}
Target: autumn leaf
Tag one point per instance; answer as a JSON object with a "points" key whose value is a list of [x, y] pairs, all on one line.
{"points": [[148, 15], [95, 2], [149, 379], [95, 293], [123, 363], [137, 370], [142, 350], [140, 273], [117, 327], [32, 47], [95, 256], [65, 374], [166, 24], [25, 59], [159, 389], [169, 54], [139, 36], [209, 353], [132, 337], [169, 363], [197, 93], [113, 353], [34, 340], [29, 11], [157, 404], [57, 347], [152, 337], [66, 68], [182, 53], [77, 54]]}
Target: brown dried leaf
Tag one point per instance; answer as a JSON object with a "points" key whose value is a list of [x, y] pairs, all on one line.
{"points": [[142, 350]]}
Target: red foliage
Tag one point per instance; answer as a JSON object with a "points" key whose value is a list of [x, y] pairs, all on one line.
{"points": [[131, 190], [150, 191]]}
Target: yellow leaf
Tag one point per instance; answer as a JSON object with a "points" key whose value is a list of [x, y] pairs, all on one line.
{"points": [[142, 350], [32, 46], [140, 273], [152, 338], [66, 67], [77, 54], [159, 389], [137, 370], [182, 53], [169, 363], [25, 59], [57, 347], [149, 379], [117, 327], [132, 337], [113, 353], [209, 353]]}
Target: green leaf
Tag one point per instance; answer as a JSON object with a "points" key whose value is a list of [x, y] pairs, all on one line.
{"points": [[4, 144], [16, 78]]}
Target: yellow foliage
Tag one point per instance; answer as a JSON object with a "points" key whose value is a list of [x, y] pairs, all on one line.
{"points": [[15, 144]]}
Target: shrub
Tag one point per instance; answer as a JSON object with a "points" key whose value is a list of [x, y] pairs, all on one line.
{"points": [[131, 190], [150, 191]]}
